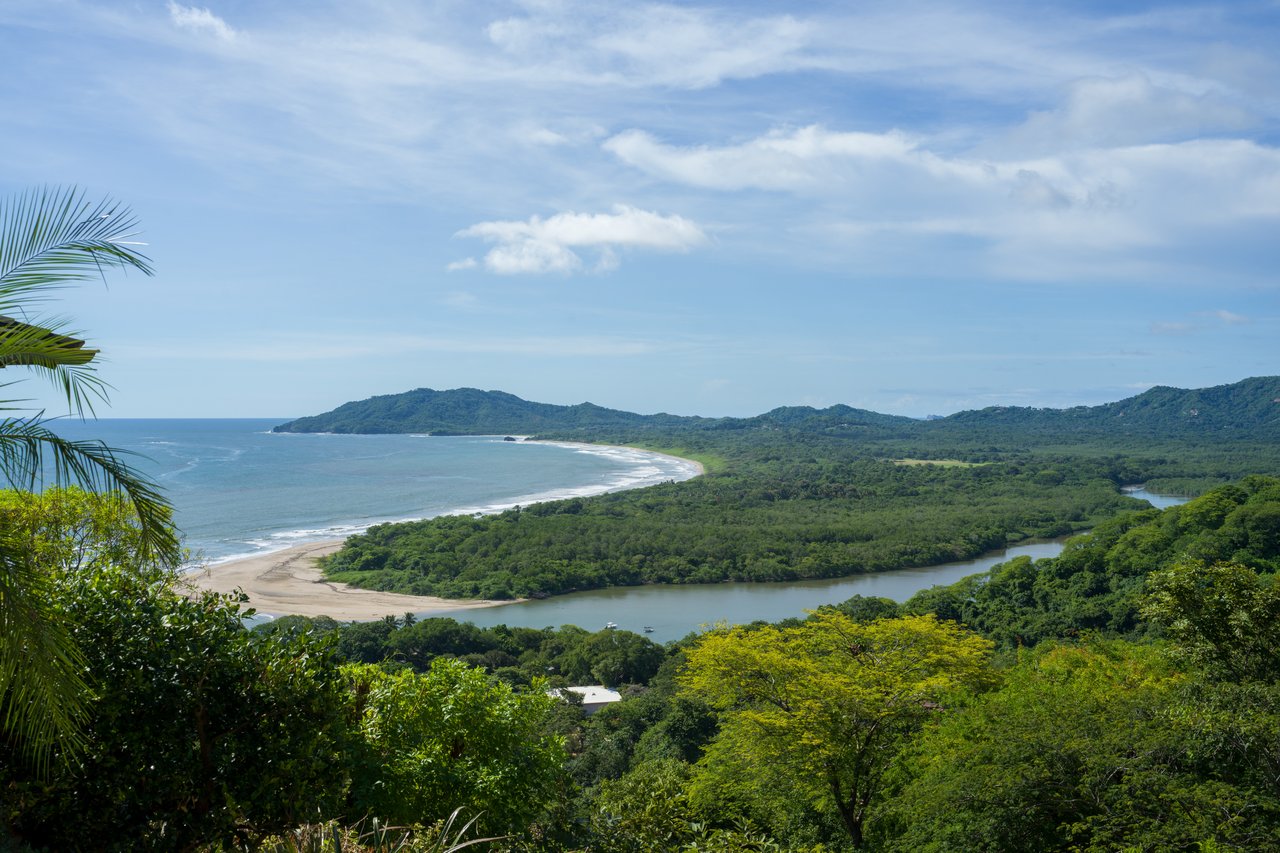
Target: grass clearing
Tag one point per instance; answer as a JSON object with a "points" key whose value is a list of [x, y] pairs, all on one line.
{"points": [[942, 463]]}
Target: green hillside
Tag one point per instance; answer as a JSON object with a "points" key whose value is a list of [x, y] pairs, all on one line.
{"points": [[471, 411], [1246, 409], [1251, 406]]}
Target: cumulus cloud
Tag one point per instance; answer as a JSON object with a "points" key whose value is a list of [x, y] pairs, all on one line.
{"points": [[1086, 206], [538, 245], [197, 19], [1018, 129]]}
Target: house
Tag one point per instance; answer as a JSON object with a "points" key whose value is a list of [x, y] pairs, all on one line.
{"points": [[594, 696]]}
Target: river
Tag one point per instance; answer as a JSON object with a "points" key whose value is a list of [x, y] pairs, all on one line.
{"points": [[674, 611]]}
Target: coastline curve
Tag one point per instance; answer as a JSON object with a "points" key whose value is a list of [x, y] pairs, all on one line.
{"points": [[288, 581]]}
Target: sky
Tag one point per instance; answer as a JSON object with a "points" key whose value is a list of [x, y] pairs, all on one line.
{"points": [[910, 207]]}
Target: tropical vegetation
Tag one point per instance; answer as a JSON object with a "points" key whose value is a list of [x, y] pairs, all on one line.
{"points": [[49, 239], [1124, 695], [800, 494]]}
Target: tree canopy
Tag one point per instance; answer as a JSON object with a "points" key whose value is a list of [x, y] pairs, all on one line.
{"points": [[823, 706]]}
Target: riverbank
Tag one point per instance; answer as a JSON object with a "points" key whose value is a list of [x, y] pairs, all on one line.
{"points": [[289, 583]]}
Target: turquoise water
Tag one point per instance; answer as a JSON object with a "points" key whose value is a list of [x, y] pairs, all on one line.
{"points": [[239, 489]]}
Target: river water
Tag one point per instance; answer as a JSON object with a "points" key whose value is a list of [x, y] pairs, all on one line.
{"points": [[673, 612]]}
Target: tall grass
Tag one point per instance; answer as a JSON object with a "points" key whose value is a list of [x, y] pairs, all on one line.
{"points": [[373, 836]]}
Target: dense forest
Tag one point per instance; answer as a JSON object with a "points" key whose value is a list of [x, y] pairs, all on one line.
{"points": [[1123, 695], [800, 493]]}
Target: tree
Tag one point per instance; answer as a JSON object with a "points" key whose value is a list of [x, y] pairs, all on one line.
{"points": [[198, 731], [823, 707], [1221, 617], [450, 739], [49, 239], [1100, 746]]}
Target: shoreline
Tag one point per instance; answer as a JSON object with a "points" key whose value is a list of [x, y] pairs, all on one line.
{"points": [[697, 466], [288, 582]]}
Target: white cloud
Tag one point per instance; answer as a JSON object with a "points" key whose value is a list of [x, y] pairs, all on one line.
{"points": [[464, 264], [1130, 110], [656, 43], [805, 158], [540, 245], [1017, 128], [1074, 212], [197, 19], [1230, 318]]}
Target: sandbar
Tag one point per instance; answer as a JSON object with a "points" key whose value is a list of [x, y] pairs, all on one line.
{"points": [[288, 583]]}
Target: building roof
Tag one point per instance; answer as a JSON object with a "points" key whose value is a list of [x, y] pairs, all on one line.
{"points": [[596, 694]]}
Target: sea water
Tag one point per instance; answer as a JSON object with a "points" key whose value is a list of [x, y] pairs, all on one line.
{"points": [[238, 489]]}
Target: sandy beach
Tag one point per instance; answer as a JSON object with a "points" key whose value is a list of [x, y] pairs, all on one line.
{"points": [[288, 582]]}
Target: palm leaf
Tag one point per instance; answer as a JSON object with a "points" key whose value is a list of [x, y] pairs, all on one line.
{"points": [[31, 454], [47, 348], [49, 238], [42, 696]]}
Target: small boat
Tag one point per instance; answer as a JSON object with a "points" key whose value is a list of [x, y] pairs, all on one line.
{"points": [[610, 625], [648, 629]]}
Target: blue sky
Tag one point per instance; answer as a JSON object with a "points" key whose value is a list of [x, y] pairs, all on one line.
{"points": [[910, 207]]}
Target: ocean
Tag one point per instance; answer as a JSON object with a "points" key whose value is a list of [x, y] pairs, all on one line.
{"points": [[239, 490]]}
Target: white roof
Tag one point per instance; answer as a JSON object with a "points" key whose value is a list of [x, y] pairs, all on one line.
{"points": [[596, 694]]}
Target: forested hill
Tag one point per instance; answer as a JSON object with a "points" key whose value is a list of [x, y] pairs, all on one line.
{"points": [[475, 412], [1250, 407]]}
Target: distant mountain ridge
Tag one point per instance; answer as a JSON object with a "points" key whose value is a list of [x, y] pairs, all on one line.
{"points": [[1249, 406], [470, 411]]}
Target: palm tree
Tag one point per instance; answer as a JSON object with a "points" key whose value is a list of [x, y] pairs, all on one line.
{"points": [[48, 240]]}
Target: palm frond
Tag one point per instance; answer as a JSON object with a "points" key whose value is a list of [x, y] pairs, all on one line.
{"points": [[32, 454], [45, 346], [49, 238], [42, 695]]}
